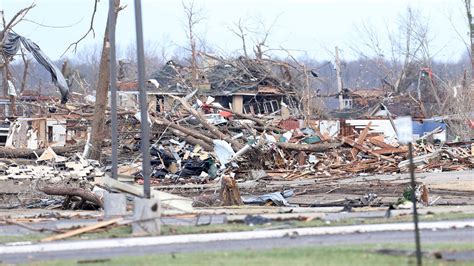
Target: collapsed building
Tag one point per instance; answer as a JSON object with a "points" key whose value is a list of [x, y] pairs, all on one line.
{"points": [[243, 119]]}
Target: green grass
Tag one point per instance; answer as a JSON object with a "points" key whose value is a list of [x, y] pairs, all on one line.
{"points": [[328, 255], [22, 238]]}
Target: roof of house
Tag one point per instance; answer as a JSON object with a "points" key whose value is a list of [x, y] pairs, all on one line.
{"points": [[231, 77]]}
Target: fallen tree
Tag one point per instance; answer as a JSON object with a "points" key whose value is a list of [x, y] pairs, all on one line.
{"points": [[28, 153], [69, 192]]}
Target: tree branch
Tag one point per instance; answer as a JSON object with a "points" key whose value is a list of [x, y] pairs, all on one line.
{"points": [[91, 29]]}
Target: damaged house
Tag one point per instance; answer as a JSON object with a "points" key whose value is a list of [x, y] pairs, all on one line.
{"points": [[243, 85]]}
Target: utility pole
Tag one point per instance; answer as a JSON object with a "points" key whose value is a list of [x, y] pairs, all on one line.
{"points": [[339, 80], [144, 126]]}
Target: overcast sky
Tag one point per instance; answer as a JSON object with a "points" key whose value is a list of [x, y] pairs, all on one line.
{"points": [[314, 26]]}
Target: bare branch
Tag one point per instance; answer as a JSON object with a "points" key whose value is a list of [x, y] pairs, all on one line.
{"points": [[240, 32], [51, 26], [91, 29], [18, 17], [14, 21]]}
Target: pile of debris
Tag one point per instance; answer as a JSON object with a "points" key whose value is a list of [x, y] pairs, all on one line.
{"points": [[54, 175], [205, 143], [194, 147]]}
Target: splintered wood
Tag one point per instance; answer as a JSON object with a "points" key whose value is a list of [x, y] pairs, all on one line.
{"points": [[229, 193]]}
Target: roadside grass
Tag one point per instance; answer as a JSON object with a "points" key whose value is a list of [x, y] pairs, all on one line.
{"points": [[126, 231], [353, 255]]}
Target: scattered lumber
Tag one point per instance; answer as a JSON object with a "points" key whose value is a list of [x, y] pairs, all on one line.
{"points": [[360, 140], [366, 149], [81, 230]]}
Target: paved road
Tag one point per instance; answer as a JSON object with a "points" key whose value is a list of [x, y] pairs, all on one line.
{"points": [[462, 235]]}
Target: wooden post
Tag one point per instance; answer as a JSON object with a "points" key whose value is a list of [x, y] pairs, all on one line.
{"points": [[339, 80], [237, 103]]}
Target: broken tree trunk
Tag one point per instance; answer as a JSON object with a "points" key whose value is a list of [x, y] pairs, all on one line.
{"points": [[213, 129], [308, 147], [98, 120], [27, 153], [194, 141], [229, 193], [72, 191], [184, 130]]}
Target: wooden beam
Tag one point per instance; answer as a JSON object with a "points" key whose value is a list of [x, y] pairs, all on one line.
{"points": [[391, 150], [379, 143], [366, 149], [308, 147], [361, 139]]}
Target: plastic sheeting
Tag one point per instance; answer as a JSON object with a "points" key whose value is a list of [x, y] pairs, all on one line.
{"points": [[278, 198], [11, 47]]}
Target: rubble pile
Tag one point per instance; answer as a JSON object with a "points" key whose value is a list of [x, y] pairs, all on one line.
{"points": [[243, 120], [284, 154], [202, 142]]}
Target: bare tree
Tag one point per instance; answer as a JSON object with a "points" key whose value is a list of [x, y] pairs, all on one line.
{"points": [[241, 31], [98, 120], [193, 17], [258, 32]]}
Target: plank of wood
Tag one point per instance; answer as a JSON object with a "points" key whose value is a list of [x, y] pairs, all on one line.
{"points": [[81, 230], [366, 149], [379, 143], [360, 139], [167, 199], [393, 150], [317, 147]]}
